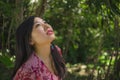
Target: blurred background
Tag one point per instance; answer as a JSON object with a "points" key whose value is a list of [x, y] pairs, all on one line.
{"points": [[88, 32]]}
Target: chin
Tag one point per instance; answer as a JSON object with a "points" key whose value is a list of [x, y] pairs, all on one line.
{"points": [[52, 38]]}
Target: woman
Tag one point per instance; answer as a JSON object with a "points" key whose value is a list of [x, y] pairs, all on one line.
{"points": [[36, 57]]}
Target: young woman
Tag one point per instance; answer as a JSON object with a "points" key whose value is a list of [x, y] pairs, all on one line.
{"points": [[36, 57]]}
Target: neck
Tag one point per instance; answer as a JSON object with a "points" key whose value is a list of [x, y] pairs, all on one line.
{"points": [[43, 51]]}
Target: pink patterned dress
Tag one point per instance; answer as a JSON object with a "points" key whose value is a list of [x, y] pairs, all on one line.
{"points": [[34, 69]]}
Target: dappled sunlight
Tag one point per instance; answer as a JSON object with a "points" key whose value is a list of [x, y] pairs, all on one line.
{"points": [[78, 69]]}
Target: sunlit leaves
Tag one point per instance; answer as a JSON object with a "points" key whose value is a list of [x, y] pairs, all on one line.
{"points": [[6, 60]]}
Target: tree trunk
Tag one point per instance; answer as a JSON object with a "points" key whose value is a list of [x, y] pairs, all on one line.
{"points": [[41, 8]]}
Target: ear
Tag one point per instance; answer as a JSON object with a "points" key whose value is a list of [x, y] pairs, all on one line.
{"points": [[31, 42]]}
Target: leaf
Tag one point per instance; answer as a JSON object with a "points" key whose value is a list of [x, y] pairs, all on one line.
{"points": [[114, 8], [6, 61]]}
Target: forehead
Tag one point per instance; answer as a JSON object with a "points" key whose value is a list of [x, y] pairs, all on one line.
{"points": [[38, 19]]}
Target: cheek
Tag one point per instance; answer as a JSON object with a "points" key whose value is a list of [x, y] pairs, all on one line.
{"points": [[40, 32], [38, 35]]}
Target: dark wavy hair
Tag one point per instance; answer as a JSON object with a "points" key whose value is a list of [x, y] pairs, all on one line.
{"points": [[24, 49]]}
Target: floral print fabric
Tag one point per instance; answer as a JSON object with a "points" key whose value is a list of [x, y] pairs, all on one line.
{"points": [[34, 69]]}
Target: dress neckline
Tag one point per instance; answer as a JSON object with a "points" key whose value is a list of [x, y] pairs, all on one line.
{"points": [[44, 64]]}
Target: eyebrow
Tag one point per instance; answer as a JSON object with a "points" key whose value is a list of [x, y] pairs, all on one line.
{"points": [[37, 22]]}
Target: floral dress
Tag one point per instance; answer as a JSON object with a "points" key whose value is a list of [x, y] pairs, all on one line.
{"points": [[34, 69]]}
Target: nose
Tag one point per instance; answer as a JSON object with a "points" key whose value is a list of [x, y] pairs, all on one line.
{"points": [[46, 26]]}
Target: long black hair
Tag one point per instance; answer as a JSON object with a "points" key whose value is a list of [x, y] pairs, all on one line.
{"points": [[24, 49], [58, 61]]}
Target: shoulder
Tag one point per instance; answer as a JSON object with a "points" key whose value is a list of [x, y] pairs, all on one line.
{"points": [[28, 70], [24, 73]]}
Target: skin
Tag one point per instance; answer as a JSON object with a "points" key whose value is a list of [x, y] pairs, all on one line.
{"points": [[41, 38]]}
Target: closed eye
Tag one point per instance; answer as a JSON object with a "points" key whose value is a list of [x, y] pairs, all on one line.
{"points": [[37, 25]]}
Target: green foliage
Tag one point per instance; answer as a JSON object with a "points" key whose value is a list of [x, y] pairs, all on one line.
{"points": [[5, 59], [6, 8], [6, 63]]}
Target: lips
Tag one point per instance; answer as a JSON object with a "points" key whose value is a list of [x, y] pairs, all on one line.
{"points": [[49, 32]]}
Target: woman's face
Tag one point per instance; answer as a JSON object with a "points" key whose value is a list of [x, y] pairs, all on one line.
{"points": [[42, 32]]}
